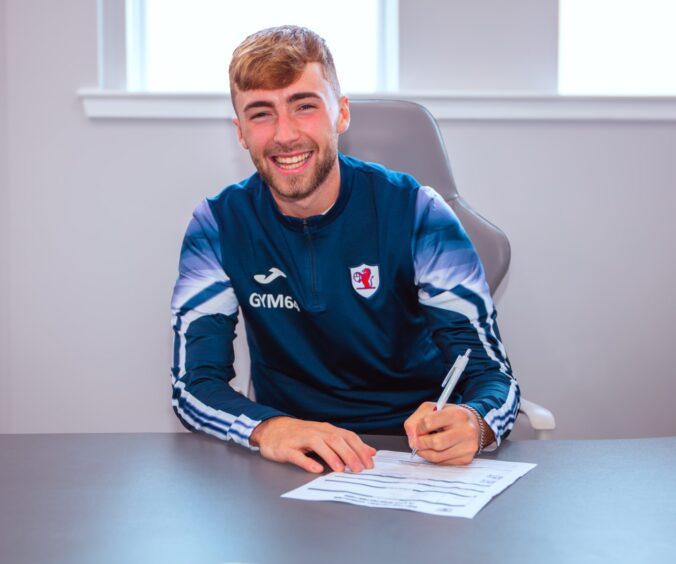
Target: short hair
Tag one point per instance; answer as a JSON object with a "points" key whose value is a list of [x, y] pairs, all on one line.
{"points": [[275, 57]]}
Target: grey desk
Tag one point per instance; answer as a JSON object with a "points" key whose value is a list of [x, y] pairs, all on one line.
{"points": [[162, 498]]}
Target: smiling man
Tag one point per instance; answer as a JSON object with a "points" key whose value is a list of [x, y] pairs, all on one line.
{"points": [[291, 134], [358, 285]]}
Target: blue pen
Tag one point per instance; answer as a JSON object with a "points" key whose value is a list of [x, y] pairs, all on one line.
{"points": [[449, 383]]}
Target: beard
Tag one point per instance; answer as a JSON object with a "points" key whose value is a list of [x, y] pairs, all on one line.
{"points": [[295, 188]]}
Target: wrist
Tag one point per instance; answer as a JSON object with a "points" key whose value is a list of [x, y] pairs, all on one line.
{"points": [[257, 433], [486, 435]]}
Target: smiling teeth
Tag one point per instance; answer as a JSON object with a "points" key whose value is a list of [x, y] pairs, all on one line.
{"points": [[292, 162]]}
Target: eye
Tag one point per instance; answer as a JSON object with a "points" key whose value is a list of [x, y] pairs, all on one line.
{"points": [[259, 115], [306, 107]]}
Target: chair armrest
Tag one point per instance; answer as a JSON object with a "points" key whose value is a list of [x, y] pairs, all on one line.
{"points": [[540, 418]]}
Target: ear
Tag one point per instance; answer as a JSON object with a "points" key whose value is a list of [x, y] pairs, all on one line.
{"points": [[240, 137], [343, 121]]}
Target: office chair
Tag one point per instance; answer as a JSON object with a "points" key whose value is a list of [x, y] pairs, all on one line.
{"points": [[404, 136]]}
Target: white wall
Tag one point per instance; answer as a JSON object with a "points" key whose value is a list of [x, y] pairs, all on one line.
{"points": [[478, 45], [4, 230], [586, 313], [97, 215], [97, 211]]}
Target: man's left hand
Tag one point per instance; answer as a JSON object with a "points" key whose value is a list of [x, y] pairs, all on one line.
{"points": [[449, 436]]}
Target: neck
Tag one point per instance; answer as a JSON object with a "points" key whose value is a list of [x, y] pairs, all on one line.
{"points": [[315, 203]]}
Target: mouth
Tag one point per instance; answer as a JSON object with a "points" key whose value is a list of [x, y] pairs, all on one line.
{"points": [[292, 163]]}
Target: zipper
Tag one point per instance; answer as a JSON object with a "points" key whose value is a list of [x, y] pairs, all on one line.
{"points": [[313, 266]]}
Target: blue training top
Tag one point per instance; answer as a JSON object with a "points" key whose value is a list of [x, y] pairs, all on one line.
{"points": [[352, 317]]}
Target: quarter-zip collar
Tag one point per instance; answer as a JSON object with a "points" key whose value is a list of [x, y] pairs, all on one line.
{"points": [[316, 222]]}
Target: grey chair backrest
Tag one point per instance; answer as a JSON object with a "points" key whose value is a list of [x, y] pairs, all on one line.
{"points": [[404, 136]]}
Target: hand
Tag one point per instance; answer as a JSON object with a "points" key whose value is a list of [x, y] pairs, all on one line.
{"points": [[284, 439], [449, 436]]}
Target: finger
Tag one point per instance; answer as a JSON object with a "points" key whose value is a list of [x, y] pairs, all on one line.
{"points": [[449, 416], [460, 430], [411, 424], [442, 440], [340, 445], [459, 454], [328, 455], [305, 462], [364, 451], [409, 427]]}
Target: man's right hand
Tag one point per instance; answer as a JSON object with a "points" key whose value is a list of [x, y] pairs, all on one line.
{"points": [[284, 439]]}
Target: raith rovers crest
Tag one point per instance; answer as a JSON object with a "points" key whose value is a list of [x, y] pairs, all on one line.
{"points": [[365, 279]]}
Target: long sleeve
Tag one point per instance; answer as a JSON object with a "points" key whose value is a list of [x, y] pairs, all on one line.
{"points": [[204, 312], [453, 292]]}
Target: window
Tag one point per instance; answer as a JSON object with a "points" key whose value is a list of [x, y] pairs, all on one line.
{"points": [[168, 58], [617, 47], [178, 46]]}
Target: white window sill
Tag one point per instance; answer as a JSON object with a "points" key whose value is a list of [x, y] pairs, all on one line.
{"points": [[111, 104]]}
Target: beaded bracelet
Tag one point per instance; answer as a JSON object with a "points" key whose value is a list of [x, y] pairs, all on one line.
{"points": [[482, 430]]}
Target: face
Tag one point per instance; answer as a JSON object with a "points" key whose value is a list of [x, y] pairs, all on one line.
{"points": [[292, 134]]}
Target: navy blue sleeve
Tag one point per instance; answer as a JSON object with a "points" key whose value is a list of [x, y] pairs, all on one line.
{"points": [[204, 308], [453, 292]]}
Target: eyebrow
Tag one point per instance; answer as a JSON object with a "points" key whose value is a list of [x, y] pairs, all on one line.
{"points": [[258, 104], [290, 100], [301, 96]]}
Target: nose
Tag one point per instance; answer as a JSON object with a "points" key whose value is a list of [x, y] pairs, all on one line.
{"points": [[286, 132]]}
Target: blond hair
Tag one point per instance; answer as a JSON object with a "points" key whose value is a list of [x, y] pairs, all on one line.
{"points": [[275, 58]]}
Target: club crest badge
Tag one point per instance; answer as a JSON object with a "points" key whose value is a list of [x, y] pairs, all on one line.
{"points": [[365, 280]]}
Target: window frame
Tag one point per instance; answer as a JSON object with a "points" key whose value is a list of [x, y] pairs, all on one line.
{"points": [[112, 99]]}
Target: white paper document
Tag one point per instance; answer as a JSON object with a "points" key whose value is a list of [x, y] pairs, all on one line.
{"points": [[398, 481]]}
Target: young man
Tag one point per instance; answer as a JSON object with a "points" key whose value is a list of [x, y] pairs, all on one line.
{"points": [[359, 288]]}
